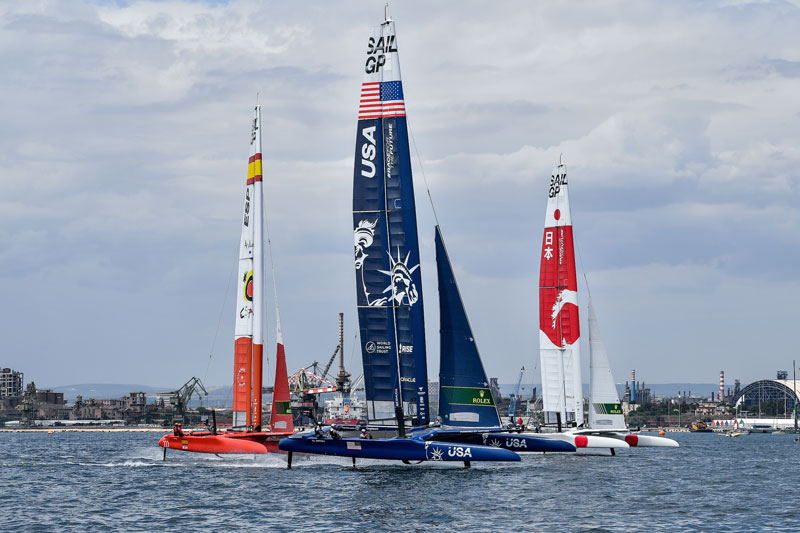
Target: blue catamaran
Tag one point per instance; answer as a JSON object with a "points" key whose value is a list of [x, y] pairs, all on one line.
{"points": [[389, 283]]}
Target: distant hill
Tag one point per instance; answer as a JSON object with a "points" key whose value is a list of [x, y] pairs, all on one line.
{"points": [[220, 395], [659, 389]]}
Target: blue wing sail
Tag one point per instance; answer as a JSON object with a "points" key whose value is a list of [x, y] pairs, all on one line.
{"points": [[465, 398], [388, 277]]}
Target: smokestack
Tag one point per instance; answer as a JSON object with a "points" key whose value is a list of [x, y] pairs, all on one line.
{"points": [[341, 343], [721, 385], [633, 386]]}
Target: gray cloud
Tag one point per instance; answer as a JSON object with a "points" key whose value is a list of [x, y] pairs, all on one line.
{"points": [[122, 161]]}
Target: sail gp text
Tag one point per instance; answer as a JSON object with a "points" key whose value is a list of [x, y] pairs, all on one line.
{"points": [[375, 60], [556, 182]]}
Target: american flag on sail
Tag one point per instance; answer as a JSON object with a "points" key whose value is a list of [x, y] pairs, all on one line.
{"points": [[381, 99]]}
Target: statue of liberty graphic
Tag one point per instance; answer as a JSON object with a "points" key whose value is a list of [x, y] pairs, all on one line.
{"points": [[401, 284]]}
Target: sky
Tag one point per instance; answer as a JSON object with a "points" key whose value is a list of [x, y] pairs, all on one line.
{"points": [[124, 131]]}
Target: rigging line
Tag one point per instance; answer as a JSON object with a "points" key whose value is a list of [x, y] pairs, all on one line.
{"points": [[353, 349], [580, 259], [265, 217], [221, 312], [422, 170]]}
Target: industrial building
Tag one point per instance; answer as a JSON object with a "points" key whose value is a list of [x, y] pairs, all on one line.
{"points": [[769, 396], [11, 383]]}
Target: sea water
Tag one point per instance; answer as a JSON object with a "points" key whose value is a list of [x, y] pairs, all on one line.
{"points": [[69, 481]]}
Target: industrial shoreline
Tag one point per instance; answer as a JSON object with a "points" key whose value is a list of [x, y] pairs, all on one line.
{"points": [[159, 429], [108, 429]]}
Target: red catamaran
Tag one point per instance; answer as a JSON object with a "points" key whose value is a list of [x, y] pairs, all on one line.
{"points": [[246, 435]]}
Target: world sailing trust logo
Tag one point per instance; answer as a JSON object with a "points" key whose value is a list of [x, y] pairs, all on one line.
{"points": [[401, 286]]}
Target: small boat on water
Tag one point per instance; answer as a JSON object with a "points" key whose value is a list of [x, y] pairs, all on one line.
{"points": [[246, 434]]}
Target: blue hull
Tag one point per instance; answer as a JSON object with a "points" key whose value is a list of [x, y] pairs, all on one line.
{"points": [[408, 449], [518, 442]]}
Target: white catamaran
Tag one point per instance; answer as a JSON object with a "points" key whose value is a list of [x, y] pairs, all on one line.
{"points": [[559, 342]]}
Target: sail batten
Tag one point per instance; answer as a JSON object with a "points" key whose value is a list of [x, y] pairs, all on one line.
{"points": [[388, 278]]}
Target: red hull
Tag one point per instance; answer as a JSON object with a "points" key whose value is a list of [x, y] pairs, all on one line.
{"points": [[231, 442]]}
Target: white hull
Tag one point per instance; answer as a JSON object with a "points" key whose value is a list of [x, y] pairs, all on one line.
{"points": [[636, 440], [581, 441], [648, 441]]}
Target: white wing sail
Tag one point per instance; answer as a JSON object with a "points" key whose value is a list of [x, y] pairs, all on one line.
{"points": [[605, 410]]}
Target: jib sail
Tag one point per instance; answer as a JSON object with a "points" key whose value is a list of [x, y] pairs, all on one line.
{"points": [[465, 398]]}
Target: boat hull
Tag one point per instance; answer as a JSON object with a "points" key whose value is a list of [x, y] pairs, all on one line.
{"points": [[400, 449], [580, 440], [222, 443], [647, 441], [518, 442]]}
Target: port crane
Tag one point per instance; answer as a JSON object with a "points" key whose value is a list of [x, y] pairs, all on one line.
{"points": [[512, 404], [180, 398], [308, 382]]}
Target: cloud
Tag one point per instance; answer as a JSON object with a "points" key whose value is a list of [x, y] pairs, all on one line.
{"points": [[123, 148]]}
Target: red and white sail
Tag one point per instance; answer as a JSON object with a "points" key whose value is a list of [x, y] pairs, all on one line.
{"points": [[559, 328], [281, 418], [249, 329]]}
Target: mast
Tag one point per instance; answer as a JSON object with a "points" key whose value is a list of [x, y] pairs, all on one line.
{"points": [[258, 272], [794, 388], [559, 327], [248, 287], [388, 278]]}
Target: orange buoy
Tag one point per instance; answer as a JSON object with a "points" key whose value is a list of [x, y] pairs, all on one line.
{"points": [[662, 432]]}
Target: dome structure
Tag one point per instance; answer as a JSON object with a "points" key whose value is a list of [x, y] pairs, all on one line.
{"points": [[778, 396]]}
